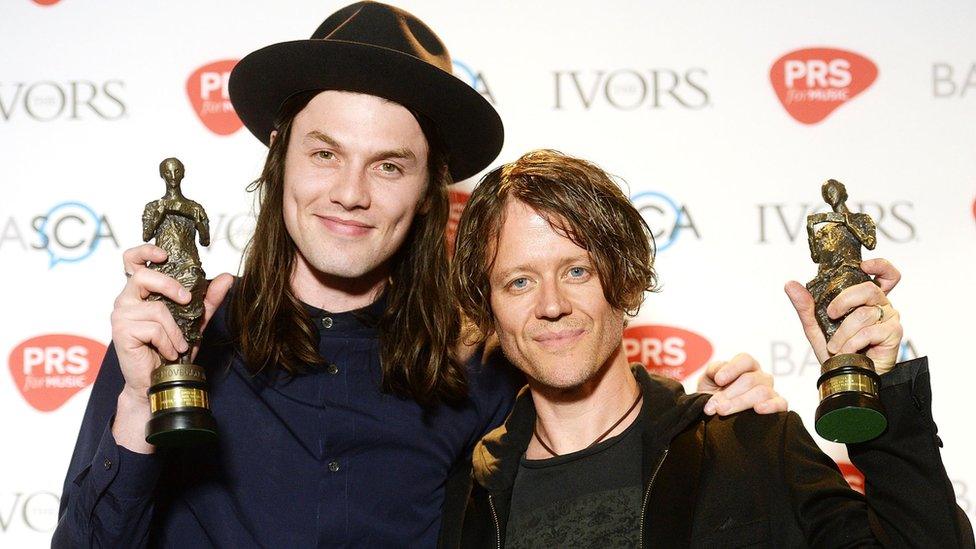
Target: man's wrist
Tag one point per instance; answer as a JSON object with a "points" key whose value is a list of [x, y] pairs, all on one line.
{"points": [[129, 428]]}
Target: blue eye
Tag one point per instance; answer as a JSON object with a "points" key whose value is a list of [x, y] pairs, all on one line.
{"points": [[519, 283], [577, 272]]}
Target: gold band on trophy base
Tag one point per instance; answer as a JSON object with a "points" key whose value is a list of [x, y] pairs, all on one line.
{"points": [[850, 410], [180, 406]]}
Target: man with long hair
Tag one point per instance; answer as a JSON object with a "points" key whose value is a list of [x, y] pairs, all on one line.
{"points": [[345, 416], [552, 257]]}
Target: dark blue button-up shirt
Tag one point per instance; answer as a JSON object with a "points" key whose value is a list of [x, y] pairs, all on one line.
{"points": [[324, 459]]}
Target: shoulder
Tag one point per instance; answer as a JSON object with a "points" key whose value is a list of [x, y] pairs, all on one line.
{"points": [[751, 432], [491, 377]]}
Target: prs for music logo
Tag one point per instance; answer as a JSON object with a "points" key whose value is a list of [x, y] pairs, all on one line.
{"points": [[50, 369], [811, 83], [207, 90], [666, 350]]}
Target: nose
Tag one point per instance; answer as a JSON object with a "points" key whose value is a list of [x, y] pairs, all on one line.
{"points": [[351, 188], [551, 302]]}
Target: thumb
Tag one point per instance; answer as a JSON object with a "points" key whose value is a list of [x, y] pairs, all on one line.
{"points": [[216, 292], [803, 303]]}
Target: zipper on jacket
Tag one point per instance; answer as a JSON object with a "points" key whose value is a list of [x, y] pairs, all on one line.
{"points": [[494, 517], [647, 495]]}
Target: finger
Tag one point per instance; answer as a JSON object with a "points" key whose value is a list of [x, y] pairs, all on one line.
{"points": [[803, 303], [747, 400], [865, 293], [157, 312], [858, 319], [147, 281], [733, 369], [887, 334], [722, 400], [216, 292], [136, 258], [152, 333], [771, 406], [706, 383], [885, 274]]}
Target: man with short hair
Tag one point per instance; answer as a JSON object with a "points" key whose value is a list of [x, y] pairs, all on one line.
{"points": [[345, 416], [552, 257]]}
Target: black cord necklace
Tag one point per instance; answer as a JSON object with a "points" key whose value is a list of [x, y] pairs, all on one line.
{"points": [[535, 428]]}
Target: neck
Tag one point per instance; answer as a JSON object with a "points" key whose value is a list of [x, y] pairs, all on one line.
{"points": [[570, 419], [333, 293], [172, 192]]}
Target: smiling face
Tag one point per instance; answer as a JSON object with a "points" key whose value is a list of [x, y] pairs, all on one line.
{"points": [[551, 316], [355, 176]]}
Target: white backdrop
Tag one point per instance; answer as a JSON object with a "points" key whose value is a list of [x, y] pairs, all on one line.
{"points": [[677, 98]]}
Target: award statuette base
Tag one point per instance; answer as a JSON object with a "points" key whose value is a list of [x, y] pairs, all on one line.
{"points": [[850, 410], [180, 407]]}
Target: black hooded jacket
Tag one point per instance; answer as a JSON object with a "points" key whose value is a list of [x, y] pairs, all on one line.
{"points": [[752, 479]]}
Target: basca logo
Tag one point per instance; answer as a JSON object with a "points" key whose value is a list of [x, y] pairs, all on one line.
{"points": [[37, 511], [458, 199], [665, 350], [666, 218], [47, 100], [785, 360], [69, 232], [50, 369], [474, 78], [811, 83], [779, 222], [631, 89], [853, 476], [945, 83], [207, 90]]}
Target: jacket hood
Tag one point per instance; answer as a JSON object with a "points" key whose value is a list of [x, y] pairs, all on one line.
{"points": [[667, 410]]}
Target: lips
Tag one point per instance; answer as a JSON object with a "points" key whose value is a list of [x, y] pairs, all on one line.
{"points": [[562, 338], [344, 227]]}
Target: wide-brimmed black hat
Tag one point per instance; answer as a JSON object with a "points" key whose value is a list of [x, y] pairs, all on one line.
{"points": [[379, 50]]}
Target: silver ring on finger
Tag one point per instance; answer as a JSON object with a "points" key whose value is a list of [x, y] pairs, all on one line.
{"points": [[881, 314]]}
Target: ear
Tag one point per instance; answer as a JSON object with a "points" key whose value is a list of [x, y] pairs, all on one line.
{"points": [[273, 134]]}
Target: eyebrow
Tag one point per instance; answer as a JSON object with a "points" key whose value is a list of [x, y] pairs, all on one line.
{"points": [[402, 153], [579, 258]]}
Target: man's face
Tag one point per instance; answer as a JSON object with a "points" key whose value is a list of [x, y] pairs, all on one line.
{"points": [[355, 173], [552, 319]]}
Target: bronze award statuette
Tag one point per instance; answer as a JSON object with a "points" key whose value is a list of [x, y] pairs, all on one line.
{"points": [[178, 394], [850, 410]]}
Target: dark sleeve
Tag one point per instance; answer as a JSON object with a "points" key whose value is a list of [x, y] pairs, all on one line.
{"points": [[107, 496], [909, 502], [907, 488]]}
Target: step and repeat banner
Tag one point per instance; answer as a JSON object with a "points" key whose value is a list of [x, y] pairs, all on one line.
{"points": [[722, 119]]}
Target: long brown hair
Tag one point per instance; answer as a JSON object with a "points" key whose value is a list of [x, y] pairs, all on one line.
{"points": [[420, 324], [579, 200]]}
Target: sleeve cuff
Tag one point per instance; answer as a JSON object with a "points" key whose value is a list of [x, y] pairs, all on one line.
{"points": [[905, 372], [125, 473]]}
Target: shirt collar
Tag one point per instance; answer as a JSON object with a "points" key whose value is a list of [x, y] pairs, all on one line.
{"points": [[363, 321]]}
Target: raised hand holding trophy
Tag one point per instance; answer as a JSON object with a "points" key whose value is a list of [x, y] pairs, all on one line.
{"points": [[178, 395], [850, 410]]}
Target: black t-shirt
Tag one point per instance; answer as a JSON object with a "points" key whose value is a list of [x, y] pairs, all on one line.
{"points": [[590, 498]]}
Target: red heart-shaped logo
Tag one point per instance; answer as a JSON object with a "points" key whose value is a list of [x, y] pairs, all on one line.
{"points": [[207, 90], [811, 83], [50, 369], [673, 352]]}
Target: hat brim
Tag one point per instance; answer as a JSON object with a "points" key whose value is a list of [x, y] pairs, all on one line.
{"points": [[470, 127]]}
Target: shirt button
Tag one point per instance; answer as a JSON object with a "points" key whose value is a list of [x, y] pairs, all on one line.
{"points": [[107, 464], [332, 369], [334, 466], [327, 322]]}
